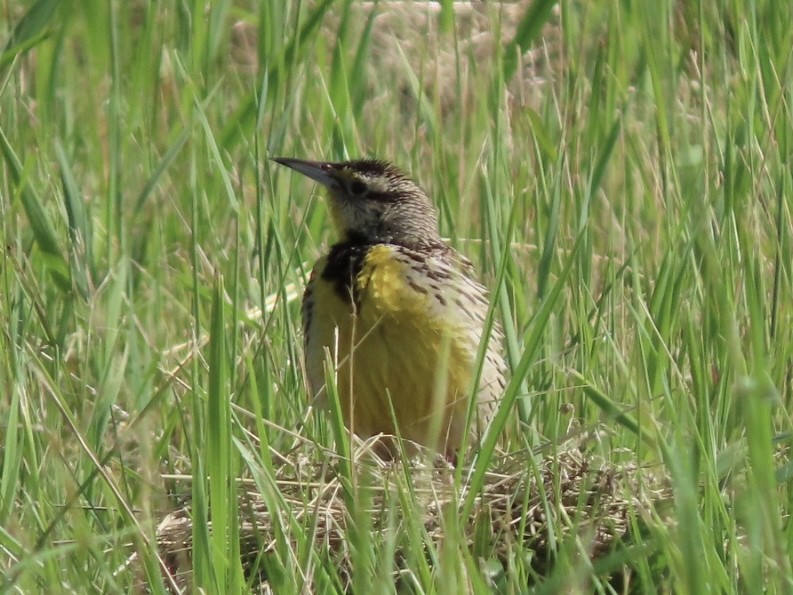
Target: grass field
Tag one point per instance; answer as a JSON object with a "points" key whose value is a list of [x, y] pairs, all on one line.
{"points": [[620, 172]]}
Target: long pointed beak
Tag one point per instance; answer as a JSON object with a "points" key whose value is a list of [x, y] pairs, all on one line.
{"points": [[319, 171]]}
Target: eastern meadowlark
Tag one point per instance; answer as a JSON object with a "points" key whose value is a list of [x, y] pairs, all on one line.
{"points": [[398, 310]]}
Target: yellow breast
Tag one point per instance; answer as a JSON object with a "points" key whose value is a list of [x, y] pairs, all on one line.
{"points": [[402, 366]]}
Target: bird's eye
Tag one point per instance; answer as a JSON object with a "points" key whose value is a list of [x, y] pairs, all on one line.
{"points": [[357, 187]]}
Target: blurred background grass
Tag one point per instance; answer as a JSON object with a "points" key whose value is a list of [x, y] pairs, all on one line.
{"points": [[620, 172]]}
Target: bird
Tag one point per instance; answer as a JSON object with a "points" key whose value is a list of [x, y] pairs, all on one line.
{"points": [[400, 313]]}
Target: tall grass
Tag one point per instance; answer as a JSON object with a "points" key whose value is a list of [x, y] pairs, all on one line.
{"points": [[620, 172]]}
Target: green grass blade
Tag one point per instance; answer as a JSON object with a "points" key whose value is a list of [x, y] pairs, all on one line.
{"points": [[530, 349], [223, 494], [80, 235], [529, 28], [40, 224], [31, 29]]}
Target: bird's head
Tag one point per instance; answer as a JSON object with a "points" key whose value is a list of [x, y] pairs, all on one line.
{"points": [[373, 202]]}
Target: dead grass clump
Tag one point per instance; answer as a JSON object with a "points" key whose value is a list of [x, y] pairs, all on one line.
{"points": [[520, 507]]}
